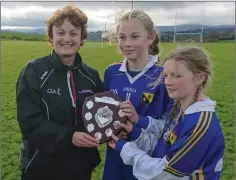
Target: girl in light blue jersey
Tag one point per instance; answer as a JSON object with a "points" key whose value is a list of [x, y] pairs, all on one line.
{"points": [[191, 145]]}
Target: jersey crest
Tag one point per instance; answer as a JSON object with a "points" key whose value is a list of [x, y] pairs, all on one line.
{"points": [[172, 138], [147, 97]]}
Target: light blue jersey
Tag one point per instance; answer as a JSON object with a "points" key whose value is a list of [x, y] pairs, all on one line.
{"points": [[190, 148]]}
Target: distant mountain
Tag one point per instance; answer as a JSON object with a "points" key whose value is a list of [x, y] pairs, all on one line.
{"points": [[190, 27], [37, 31], [181, 27], [34, 31], [167, 32], [8, 30]]}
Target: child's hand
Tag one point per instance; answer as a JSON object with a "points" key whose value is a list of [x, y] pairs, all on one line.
{"points": [[129, 111], [112, 142], [122, 134], [126, 127]]}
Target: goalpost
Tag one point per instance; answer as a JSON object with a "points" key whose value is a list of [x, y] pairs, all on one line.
{"points": [[108, 35], [190, 37], [105, 36]]}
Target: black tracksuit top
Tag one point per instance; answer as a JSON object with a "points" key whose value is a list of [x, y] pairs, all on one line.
{"points": [[46, 114]]}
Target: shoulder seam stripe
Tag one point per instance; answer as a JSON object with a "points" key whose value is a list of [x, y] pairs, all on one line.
{"points": [[174, 171], [198, 132]]}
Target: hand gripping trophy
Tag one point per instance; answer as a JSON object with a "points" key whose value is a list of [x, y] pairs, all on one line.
{"points": [[100, 115]]}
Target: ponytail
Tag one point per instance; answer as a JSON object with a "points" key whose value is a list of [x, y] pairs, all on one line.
{"points": [[154, 48]]}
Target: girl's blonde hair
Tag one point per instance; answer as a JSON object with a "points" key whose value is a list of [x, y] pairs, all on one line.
{"points": [[197, 61], [145, 20]]}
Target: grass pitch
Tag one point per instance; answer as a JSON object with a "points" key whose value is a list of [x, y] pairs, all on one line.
{"points": [[15, 54]]}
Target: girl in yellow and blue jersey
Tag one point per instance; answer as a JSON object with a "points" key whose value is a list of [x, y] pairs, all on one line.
{"points": [[189, 145]]}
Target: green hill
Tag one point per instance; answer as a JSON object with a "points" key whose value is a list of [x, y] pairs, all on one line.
{"points": [[8, 35]]}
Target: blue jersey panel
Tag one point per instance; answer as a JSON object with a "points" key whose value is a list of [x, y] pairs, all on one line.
{"points": [[147, 100], [198, 133]]}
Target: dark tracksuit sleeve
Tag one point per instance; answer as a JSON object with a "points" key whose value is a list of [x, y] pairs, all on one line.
{"points": [[47, 136]]}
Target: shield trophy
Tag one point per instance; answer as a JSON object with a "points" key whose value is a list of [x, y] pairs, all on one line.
{"points": [[100, 115]]}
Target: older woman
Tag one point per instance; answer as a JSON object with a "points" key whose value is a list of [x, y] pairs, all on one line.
{"points": [[50, 94]]}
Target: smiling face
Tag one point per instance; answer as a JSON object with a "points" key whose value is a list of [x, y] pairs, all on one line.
{"points": [[133, 39], [66, 39], [180, 82]]}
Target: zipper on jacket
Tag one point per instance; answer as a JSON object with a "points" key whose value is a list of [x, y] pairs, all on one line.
{"points": [[72, 90]]}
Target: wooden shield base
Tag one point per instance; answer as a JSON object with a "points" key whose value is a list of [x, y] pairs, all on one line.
{"points": [[100, 115]]}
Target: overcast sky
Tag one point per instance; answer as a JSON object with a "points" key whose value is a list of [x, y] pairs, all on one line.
{"points": [[33, 14]]}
